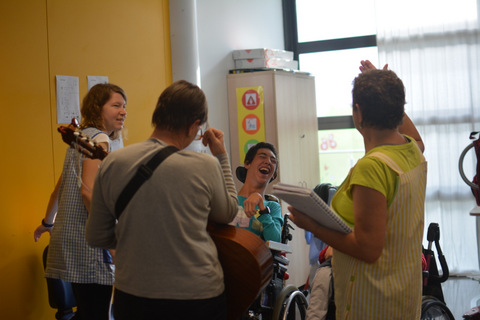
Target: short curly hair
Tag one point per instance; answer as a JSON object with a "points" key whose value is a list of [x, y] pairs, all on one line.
{"points": [[380, 95]]}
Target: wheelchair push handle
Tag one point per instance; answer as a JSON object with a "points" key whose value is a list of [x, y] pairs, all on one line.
{"points": [[433, 233], [433, 236], [444, 265]]}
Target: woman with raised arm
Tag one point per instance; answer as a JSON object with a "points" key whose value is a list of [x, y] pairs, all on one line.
{"points": [[377, 268]]}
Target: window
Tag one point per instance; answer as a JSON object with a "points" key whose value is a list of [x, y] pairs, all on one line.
{"points": [[321, 35], [325, 20], [435, 50]]}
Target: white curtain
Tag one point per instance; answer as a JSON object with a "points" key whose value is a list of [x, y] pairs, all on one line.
{"points": [[434, 46]]}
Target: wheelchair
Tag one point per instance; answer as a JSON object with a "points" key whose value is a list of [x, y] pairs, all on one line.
{"points": [[279, 301], [433, 305]]}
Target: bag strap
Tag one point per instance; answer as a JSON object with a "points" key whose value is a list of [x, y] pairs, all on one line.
{"points": [[144, 172]]}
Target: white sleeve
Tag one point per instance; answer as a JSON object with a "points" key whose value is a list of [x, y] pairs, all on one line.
{"points": [[102, 138]]}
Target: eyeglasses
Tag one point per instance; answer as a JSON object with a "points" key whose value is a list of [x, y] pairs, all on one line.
{"points": [[204, 127]]}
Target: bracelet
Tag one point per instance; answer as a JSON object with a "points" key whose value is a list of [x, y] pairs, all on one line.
{"points": [[46, 225]]}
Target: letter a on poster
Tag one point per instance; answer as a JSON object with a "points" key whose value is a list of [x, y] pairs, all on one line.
{"points": [[251, 118]]}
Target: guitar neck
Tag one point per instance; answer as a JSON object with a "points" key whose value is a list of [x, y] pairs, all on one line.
{"points": [[74, 137]]}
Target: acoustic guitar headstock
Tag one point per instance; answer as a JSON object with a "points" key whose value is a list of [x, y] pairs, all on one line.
{"points": [[72, 136]]}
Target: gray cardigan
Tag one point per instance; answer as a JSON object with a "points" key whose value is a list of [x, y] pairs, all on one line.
{"points": [[163, 250]]}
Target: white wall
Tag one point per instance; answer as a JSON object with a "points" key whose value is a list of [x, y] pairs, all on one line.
{"points": [[223, 26]]}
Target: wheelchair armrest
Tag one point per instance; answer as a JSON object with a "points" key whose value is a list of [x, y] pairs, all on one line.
{"points": [[278, 246], [281, 259]]}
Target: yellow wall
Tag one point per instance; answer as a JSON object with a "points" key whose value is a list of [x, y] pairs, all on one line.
{"points": [[126, 40]]}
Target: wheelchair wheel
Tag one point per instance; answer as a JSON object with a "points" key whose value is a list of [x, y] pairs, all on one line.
{"points": [[289, 303], [434, 309]]}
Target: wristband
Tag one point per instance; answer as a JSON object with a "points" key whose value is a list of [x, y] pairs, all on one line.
{"points": [[46, 225], [260, 212]]}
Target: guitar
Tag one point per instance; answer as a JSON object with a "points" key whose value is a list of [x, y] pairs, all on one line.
{"points": [[247, 265], [246, 260]]}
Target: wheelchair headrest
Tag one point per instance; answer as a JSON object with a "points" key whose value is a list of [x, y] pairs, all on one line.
{"points": [[241, 173], [323, 191], [271, 197]]}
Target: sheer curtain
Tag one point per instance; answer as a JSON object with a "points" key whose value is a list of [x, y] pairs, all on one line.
{"points": [[434, 46]]}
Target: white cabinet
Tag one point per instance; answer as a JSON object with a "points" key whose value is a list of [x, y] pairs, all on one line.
{"points": [[289, 123]]}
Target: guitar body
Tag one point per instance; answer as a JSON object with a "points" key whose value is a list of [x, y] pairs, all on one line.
{"points": [[247, 265]]}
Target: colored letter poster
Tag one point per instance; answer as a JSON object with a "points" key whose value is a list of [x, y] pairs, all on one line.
{"points": [[251, 118], [68, 99]]}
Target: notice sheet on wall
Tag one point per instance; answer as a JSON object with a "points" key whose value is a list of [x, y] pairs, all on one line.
{"points": [[68, 99], [93, 80]]}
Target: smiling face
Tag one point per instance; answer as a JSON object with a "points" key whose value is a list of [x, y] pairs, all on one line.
{"points": [[263, 166], [114, 113]]}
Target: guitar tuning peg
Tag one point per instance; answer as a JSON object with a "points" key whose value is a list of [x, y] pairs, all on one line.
{"points": [[74, 122]]}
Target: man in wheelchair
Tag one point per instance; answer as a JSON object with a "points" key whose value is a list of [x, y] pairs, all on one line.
{"points": [[261, 214]]}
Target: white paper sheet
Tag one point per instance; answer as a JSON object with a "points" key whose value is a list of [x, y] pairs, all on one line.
{"points": [[93, 80], [68, 100]]}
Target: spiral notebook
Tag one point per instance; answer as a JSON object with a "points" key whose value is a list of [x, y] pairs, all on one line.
{"points": [[308, 202]]}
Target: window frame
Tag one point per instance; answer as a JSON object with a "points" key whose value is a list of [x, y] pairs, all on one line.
{"points": [[291, 44]]}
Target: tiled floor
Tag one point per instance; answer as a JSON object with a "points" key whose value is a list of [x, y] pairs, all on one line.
{"points": [[461, 294]]}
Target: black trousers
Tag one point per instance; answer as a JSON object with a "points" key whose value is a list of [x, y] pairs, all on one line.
{"points": [[93, 301], [128, 307]]}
